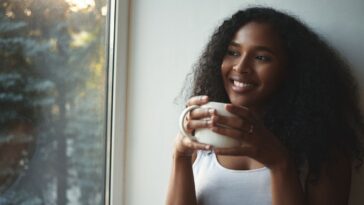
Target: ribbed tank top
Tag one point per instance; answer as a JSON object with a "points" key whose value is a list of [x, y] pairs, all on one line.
{"points": [[217, 185]]}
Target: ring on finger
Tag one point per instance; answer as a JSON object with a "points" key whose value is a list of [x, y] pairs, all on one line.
{"points": [[207, 121]]}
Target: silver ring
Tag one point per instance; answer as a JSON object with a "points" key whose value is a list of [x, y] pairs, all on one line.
{"points": [[206, 122]]}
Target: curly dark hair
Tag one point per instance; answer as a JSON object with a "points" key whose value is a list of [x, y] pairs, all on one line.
{"points": [[316, 110]]}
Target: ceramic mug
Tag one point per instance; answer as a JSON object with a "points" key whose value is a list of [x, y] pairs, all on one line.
{"points": [[205, 135]]}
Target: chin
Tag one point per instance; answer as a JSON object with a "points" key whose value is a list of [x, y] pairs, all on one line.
{"points": [[240, 101]]}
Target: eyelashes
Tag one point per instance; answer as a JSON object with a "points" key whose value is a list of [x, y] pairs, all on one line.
{"points": [[233, 53], [262, 58]]}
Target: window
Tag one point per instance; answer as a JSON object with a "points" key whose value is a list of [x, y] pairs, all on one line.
{"points": [[56, 101]]}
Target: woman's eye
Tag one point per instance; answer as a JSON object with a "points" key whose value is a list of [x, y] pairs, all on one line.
{"points": [[232, 53], [263, 58]]}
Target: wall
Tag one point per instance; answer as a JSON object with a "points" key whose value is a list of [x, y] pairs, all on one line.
{"points": [[166, 37]]}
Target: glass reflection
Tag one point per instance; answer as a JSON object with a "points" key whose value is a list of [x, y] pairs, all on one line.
{"points": [[52, 101]]}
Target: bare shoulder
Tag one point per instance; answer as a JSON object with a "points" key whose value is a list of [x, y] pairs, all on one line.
{"points": [[333, 185]]}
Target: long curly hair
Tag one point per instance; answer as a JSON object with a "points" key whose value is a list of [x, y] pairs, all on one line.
{"points": [[315, 111]]}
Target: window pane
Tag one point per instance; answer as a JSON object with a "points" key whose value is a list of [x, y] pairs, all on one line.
{"points": [[52, 101]]}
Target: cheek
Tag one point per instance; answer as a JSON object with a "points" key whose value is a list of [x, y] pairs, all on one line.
{"points": [[224, 70], [272, 80]]}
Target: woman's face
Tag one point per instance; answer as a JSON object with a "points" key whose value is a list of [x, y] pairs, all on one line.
{"points": [[253, 66]]}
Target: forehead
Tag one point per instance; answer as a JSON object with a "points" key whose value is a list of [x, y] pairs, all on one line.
{"points": [[258, 34]]}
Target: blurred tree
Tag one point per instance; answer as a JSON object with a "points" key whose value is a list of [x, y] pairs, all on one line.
{"points": [[22, 96], [52, 85]]}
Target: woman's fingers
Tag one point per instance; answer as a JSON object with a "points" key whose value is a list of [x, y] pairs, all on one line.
{"points": [[185, 146], [197, 100], [232, 122], [199, 113], [199, 117], [196, 124], [242, 112], [194, 145]]}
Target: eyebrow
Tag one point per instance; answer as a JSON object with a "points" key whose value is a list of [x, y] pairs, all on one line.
{"points": [[264, 48]]}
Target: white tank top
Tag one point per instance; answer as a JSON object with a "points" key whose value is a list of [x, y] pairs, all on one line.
{"points": [[217, 185]]}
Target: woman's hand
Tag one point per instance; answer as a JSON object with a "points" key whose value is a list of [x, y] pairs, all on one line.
{"points": [[197, 118], [257, 141]]}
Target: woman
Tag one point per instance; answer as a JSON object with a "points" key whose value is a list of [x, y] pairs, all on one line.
{"points": [[280, 78]]}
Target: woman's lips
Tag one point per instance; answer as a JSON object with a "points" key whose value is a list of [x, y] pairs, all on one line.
{"points": [[242, 87]]}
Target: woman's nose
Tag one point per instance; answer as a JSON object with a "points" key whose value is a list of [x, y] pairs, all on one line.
{"points": [[242, 65]]}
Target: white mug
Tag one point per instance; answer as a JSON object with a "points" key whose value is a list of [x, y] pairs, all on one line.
{"points": [[205, 135]]}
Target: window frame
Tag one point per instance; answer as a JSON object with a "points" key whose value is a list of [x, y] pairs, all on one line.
{"points": [[118, 34]]}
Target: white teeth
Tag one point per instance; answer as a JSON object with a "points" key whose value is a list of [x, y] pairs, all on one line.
{"points": [[242, 85]]}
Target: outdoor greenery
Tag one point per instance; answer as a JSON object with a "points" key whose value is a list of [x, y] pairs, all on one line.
{"points": [[52, 101]]}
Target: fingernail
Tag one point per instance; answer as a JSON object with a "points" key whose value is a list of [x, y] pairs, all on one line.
{"points": [[211, 110]]}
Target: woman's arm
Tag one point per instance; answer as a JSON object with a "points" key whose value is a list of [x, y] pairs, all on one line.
{"points": [[181, 190], [286, 186], [332, 187]]}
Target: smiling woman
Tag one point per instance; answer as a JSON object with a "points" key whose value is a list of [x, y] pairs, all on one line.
{"points": [[300, 102]]}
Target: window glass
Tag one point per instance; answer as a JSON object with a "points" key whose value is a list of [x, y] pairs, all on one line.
{"points": [[52, 101]]}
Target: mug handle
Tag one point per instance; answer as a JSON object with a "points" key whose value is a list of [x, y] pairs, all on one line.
{"points": [[181, 120]]}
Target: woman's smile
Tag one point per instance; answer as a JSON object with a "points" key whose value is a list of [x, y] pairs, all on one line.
{"points": [[241, 87], [253, 66]]}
